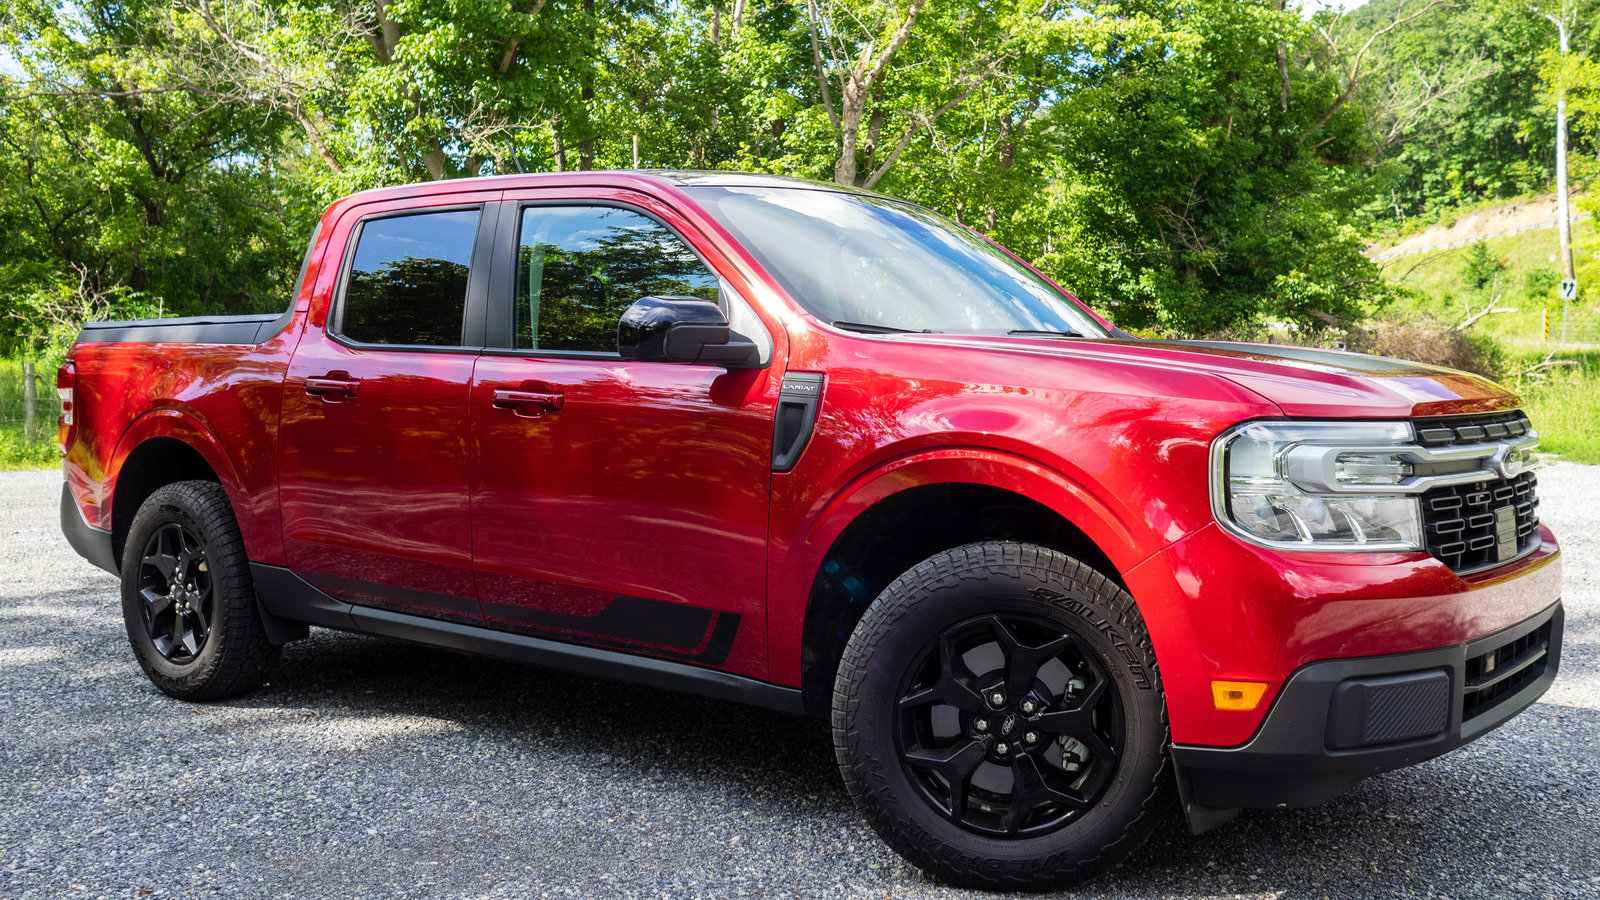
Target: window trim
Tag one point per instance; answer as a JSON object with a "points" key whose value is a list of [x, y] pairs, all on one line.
{"points": [[474, 311], [499, 335]]}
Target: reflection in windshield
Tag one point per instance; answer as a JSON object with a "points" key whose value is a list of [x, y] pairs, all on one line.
{"points": [[885, 266]]}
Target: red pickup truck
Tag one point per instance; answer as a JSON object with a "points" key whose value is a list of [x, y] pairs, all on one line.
{"points": [[828, 452]]}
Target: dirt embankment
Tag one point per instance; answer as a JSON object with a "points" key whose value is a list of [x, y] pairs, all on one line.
{"points": [[1518, 215]]}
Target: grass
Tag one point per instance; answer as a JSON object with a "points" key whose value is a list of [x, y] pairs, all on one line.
{"points": [[21, 448], [1437, 276], [1565, 406]]}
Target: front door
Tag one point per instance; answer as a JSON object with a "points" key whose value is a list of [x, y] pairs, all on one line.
{"points": [[374, 438], [617, 503]]}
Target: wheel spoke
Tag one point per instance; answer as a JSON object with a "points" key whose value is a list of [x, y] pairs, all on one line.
{"points": [[202, 626], [177, 630], [191, 638], [1023, 662], [156, 603], [1079, 723], [189, 552], [956, 764], [949, 688], [1030, 790]]}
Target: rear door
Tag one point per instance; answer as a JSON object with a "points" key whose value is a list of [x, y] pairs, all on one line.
{"points": [[374, 438], [617, 503]]}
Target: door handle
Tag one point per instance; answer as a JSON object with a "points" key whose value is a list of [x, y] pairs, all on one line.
{"points": [[333, 386], [522, 402]]}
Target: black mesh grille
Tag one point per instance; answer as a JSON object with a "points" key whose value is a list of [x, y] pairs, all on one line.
{"points": [[1501, 672], [1463, 524]]}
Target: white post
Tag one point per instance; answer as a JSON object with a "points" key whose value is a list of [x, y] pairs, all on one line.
{"points": [[1563, 204], [30, 400]]}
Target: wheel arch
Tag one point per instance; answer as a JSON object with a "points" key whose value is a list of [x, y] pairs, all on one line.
{"points": [[884, 524], [161, 447]]}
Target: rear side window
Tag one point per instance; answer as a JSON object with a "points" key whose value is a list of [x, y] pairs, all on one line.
{"points": [[408, 282], [579, 268]]}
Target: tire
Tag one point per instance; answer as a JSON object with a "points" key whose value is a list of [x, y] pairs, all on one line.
{"points": [[998, 718], [197, 636]]}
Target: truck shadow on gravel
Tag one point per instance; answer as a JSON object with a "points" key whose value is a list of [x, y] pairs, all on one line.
{"points": [[1513, 813]]}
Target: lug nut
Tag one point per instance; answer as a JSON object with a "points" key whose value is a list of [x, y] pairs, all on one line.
{"points": [[1030, 737], [981, 724], [1028, 706], [997, 698], [1002, 749]]}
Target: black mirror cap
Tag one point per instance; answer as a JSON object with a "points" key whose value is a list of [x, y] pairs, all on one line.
{"points": [[682, 330]]}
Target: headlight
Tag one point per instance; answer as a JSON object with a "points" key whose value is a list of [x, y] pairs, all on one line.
{"points": [[1290, 485]]}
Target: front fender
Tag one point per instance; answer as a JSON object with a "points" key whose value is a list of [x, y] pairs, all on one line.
{"points": [[797, 550]]}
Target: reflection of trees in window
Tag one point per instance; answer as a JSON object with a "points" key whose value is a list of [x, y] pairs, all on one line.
{"points": [[589, 276], [410, 300]]}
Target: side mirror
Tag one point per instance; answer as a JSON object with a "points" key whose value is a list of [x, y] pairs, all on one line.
{"points": [[682, 330]]}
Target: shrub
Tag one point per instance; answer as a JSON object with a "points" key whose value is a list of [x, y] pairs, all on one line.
{"points": [[1425, 339]]}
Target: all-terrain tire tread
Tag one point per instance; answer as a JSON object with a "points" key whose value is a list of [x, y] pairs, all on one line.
{"points": [[244, 654], [880, 622]]}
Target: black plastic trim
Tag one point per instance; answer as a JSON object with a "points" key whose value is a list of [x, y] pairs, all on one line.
{"points": [[358, 592], [91, 543], [798, 402], [286, 595], [1289, 763], [251, 329]]}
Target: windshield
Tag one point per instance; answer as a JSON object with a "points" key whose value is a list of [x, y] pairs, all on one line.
{"points": [[873, 264]]}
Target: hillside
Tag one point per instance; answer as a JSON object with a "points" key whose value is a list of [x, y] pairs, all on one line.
{"points": [[1520, 235]]}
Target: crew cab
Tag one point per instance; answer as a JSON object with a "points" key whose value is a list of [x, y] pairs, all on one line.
{"points": [[828, 452]]}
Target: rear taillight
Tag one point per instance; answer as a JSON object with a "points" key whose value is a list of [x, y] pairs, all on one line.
{"points": [[66, 389]]}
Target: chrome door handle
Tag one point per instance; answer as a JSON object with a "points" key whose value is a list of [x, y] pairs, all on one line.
{"points": [[333, 385], [520, 401]]}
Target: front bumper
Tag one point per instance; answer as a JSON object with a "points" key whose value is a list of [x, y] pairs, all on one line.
{"points": [[1336, 722]]}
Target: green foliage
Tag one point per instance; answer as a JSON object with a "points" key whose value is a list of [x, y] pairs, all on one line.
{"points": [[1188, 165], [1564, 403], [1482, 267]]}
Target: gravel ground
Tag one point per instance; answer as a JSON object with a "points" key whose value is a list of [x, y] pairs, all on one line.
{"points": [[369, 768]]}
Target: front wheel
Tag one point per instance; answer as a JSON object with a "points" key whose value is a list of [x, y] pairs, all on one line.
{"points": [[188, 599], [998, 718]]}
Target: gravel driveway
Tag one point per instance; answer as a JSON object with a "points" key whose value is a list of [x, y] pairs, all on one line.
{"points": [[370, 768]]}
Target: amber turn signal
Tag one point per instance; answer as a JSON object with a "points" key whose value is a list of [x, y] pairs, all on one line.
{"points": [[1237, 694]]}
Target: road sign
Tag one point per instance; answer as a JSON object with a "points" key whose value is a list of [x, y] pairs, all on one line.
{"points": [[1569, 288]]}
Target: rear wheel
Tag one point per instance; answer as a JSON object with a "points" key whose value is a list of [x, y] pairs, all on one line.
{"points": [[998, 718], [187, 596]]}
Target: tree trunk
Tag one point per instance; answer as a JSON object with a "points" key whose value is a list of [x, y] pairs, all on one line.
{"points": [[586, 146], [558, 148]]}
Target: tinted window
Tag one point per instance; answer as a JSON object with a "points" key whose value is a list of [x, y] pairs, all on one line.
{"points": [[878, 262], [408, 284], [580, 268]]}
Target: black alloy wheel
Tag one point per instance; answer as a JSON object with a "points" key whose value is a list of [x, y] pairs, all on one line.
{"points": [[999, 720], [1010, 727], [188, 599], [175, 584]]}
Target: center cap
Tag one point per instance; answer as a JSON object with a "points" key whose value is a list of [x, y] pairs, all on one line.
{"points": [[1009, 724]]}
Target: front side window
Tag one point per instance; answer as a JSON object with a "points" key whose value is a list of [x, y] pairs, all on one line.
{"points": [[580, 267], [408, 282]]}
